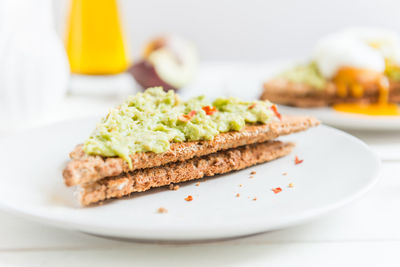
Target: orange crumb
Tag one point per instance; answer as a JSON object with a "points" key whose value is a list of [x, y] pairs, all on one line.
{"points": [[189, 198], [162, 210], [254, 199], [276, 190], [297, 160], [197, 184], [253, 172], [291, 185], [285, 173], [251, 177], [237, 195], [240, 185]]}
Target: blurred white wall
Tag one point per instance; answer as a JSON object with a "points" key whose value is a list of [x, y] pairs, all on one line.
{"points": [[247, 30]]}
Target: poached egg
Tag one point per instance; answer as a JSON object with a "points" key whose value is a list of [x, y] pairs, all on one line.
{"points": [[355, 59]]}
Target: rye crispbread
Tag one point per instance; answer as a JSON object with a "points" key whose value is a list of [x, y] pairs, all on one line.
{"points": [[283, 92], [85, 168], [181, 171]]}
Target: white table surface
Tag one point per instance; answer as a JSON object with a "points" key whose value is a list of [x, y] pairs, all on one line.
{"points": [[364, 233]]}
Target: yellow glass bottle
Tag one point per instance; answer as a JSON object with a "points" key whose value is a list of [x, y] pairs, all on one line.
{"points": [[95, 42]]}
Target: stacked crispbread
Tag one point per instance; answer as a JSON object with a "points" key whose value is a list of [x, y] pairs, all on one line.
{"points": [[101, 178], [284, 92]]}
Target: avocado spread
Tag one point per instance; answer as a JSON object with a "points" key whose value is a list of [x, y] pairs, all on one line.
{"points": [[392, 70], [307, 74], [149, 121]]}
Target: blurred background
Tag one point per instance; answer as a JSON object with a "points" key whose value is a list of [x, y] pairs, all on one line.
{"points": [[86, 55], [251, 30]]}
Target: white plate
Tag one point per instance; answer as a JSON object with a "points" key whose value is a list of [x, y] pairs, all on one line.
{"points": [[337, 168], [347, 120]]}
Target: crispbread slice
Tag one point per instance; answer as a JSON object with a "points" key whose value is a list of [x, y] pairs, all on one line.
{"points": [[195, 168], [283, 92], [85, 168]]}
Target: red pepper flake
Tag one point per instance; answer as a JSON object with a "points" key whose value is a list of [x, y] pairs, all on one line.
{"points": [[189, 198], [192, 113], [209, 110], [252, 106], [188, 117], [276, 190], [297, 160], [184, 118], [275, 110]]}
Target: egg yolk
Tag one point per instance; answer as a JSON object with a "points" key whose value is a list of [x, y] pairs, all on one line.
{"points": [[352, 82]]}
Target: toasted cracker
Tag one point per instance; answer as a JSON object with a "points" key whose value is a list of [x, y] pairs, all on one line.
{"points": [[283, 92], [176, 172], [85, 168]]}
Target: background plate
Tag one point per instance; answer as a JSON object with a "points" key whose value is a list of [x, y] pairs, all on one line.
{"points": [[337, 168], [347, 120]]}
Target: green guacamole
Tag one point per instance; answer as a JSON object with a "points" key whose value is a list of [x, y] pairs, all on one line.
{"points": [[150, 121], [307, 74], [392, 71]]}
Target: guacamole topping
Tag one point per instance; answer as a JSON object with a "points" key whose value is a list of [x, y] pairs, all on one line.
{"points": [[392, 71], [150, 121], [307, 74]]}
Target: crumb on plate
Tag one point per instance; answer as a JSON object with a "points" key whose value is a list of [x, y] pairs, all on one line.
{"points": [[237, 195], [162, 210], [189, 198], [253, 172], [173, 187], [197, 184], [291, 185]]}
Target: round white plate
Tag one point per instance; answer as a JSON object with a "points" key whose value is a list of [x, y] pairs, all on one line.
{"points": [[347, 120], [337, 168]]}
